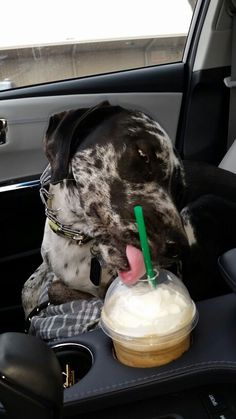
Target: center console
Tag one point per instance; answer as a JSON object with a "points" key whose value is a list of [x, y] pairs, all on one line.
{"points": [[197, 380], [200, 384], [206, 402]]}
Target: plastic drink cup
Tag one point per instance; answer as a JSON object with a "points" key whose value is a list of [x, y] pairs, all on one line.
{"points": [[149, 326]]}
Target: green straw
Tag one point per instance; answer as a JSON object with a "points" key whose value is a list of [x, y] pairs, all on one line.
{"points": [[138, 212]]}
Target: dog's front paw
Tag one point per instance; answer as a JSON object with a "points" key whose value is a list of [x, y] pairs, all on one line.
{"points": [[59, 293]]}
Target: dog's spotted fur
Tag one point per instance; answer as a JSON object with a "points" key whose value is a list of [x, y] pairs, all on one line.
{"points": [[101, 168]]}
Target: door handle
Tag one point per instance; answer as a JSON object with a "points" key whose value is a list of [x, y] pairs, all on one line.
{"points": [[3, 131]]}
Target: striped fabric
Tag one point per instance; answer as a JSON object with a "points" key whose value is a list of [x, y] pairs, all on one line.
{"points": [[65, 320]]}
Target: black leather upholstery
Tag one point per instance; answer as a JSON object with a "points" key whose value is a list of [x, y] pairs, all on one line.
{"points": [[227, 266], [30, 378]]}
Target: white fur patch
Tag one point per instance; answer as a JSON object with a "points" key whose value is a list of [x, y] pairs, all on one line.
{"points": [[188, 227]]}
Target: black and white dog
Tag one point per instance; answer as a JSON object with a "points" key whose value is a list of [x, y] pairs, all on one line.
{"points": [[103, 162]]}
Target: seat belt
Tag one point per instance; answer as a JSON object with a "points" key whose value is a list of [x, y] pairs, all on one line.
{"points": [[230, 82]]}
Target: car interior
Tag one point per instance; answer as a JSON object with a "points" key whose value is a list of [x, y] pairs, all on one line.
{"points": [[194, 101]]}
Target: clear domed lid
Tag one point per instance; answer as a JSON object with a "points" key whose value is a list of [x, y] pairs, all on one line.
{"points": [[141, 310]]}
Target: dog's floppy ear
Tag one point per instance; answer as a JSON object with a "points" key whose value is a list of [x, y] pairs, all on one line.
{"points": [[57, 142], [65, 132]]}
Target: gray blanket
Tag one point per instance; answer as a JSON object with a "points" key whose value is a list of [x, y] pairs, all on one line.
{"points": [[64, 320]]}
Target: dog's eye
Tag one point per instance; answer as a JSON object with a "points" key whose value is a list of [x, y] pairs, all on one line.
{"points": [[143, 155]]}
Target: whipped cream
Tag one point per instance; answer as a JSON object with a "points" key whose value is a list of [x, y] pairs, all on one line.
{"points": [[139, 310]]}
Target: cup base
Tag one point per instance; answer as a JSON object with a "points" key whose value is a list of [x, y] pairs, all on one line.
{"points": [[151, 358]]}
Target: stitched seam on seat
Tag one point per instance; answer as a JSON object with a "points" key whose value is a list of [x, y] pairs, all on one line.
{"points": [[165, 374]]}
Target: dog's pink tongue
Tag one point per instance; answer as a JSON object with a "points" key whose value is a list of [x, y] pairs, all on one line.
{"points": [[136, 263]]}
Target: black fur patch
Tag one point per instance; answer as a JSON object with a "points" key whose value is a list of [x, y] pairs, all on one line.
{"points": [[118, 195]]}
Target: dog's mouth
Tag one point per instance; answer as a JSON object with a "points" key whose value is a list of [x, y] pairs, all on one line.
{"points": [[127, 259], [136, 265]]}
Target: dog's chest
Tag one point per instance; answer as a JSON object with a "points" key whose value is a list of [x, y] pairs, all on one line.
{"points": [[70, 262]]}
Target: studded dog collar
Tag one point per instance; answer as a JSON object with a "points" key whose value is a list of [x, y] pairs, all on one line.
{"points": [[57, 227]]}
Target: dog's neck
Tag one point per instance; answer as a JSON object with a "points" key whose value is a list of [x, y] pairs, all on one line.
{"points": [[57, 226], [65, 202], [71, 263]]}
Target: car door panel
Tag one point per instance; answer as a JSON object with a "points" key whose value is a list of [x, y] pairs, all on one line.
{"points": [[161, 78], [27, 119], [203, 132], [22, 223]]}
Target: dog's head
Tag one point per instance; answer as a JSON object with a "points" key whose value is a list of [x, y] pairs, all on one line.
{"points": [[109, 159]]}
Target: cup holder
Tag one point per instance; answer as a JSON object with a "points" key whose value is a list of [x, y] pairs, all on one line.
{"points": [[75, 361]]}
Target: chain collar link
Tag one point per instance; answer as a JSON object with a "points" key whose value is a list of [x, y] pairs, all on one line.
{"points": [[57, 227]]}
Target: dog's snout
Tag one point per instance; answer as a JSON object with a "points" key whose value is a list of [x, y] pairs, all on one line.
{"points": [[176, 241], [172, 249]]}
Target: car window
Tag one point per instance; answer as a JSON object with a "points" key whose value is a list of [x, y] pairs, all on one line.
{"points": [[53, 40]]}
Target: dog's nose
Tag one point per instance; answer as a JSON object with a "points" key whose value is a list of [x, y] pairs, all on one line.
{"points": [[172, 249], [175, 242]]}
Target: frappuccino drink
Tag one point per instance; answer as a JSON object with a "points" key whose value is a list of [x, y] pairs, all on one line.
{"points": [[149, 326]]}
